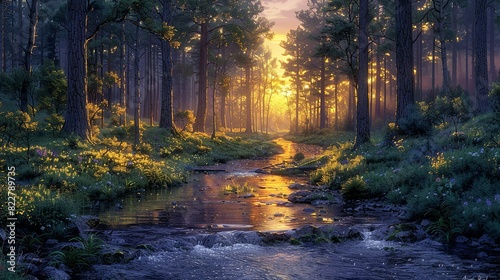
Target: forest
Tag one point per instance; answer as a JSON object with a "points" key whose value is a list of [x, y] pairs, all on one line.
{"points": [[105, 99]]}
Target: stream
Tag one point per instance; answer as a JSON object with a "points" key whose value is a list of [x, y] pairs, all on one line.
{"points": [[204, 231]]}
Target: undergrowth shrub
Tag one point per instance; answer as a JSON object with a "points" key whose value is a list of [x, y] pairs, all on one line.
{"points": [[416, 122], [44, 211], [354, 189]]}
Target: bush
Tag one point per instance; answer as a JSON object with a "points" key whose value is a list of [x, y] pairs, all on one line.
{"points": [[416, 122], [185, 120], [494, 97], [77, 258], [454, 107], [53, 88], [354, 189], [55, 123], [17, 127], [44, 211]]}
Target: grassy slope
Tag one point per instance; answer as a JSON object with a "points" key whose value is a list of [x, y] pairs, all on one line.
{"points": [[451, 180]]}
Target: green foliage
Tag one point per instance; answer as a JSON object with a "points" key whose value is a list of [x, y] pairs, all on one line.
{"points": [[11, 82], [87, 252], [343, 165], [442, 223], [185, 119], [494, 97], [354, 189], [52, 90], [55, 123], [454, 107], [96, 111], [416, 122], [156, 177], [31, 242], [73, 142], [465, 177], [483, 131], [239, 189], [44, 211], [116, 111], [16, 127]]}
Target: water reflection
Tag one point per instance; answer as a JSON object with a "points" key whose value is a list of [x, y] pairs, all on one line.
{"points": [[203, 203]]}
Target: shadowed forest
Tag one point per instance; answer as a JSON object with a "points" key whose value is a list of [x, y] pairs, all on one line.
{"points": [[106, 102]]}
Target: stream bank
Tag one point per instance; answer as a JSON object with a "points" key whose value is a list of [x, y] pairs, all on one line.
{"points": [[205, 230]]}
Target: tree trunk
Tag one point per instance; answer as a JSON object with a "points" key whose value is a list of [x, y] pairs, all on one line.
{"points": [[404, 58], [467, 38], [492, 16], [201, 111], [223, 123], [322, 103], [28, 53], [336, 103], [123, 77], [248, 69], [454, 55], [363, 111], [442, 42], [481, 61], [297, 93], [77, 121], [3, 66], [19, 55], [433, 70], [167, 110], [137, 97], [378, 85]]}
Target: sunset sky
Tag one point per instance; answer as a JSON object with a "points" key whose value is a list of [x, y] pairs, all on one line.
{"points": [[282, 13]]}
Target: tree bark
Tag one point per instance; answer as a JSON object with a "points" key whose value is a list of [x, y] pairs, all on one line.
{"points": [[3, 66], [201, 111], [454, 56], [481, 62], [404, 58], [378, 85], [77, 121], [248, 104], [492, 16], [442, 42], [322, 103], [167, 109], [363, 111], [137, 97], [123, 77], [28, 53], [298, 84]]}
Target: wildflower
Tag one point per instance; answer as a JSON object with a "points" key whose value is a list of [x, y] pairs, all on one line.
{"points": [[478, 200], [497, 197], [471, 225], [452, 181], [465, 203], [438, 179], [488, 202]]}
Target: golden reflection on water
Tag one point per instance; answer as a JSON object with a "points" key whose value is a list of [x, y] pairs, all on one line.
{"points": [[204, 203]]}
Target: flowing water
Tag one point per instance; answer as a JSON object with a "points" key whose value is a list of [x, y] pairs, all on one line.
{"points": [[205, 203], [189, 222]]}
